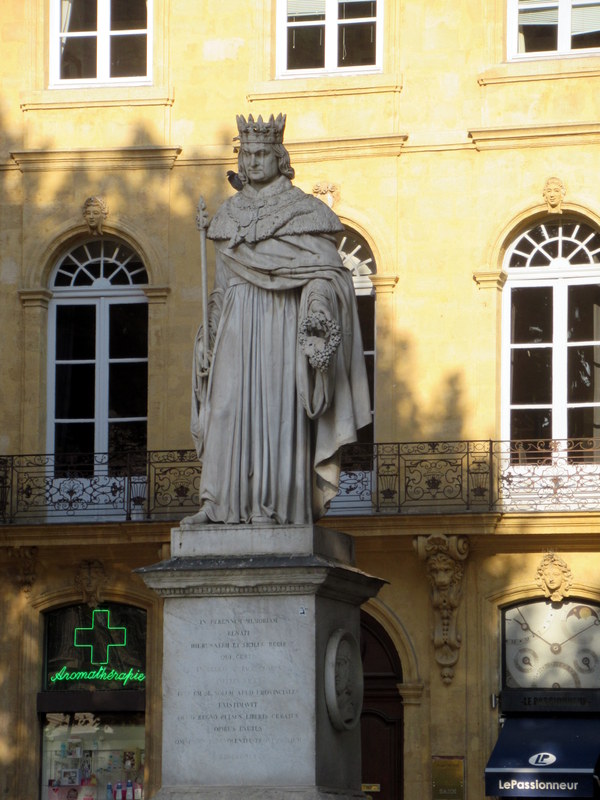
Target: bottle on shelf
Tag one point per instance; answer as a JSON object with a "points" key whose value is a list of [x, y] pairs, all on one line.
{"points": [[119, 790], [129, 790], [109, 791]]}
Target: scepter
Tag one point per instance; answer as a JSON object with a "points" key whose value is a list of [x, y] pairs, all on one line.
{"points": [[202, 225]]}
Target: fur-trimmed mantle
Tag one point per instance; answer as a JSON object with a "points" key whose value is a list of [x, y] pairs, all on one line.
{"points": [[278, 209]]}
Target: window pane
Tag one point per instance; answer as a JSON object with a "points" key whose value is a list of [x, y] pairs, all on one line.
{"points": [[585, 26], [128, 56], [78, 16], [531, 424], [74, 449], [127, 438], [356, 45], [538, 29], [305, 10], [75, 384], [78, 57], [584, 313], [531, 376], [306, 47], [583, 423], [531, 315], [75, 332], [128, 390], [126, 15], [129, 330], [97, 743], [366, 316], [583, 364], [356, 10]]}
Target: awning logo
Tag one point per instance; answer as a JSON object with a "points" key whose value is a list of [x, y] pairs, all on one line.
{"points": [[542, 759]]}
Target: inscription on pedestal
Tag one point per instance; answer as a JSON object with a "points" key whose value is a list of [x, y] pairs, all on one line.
{"points": [[241, 688]]}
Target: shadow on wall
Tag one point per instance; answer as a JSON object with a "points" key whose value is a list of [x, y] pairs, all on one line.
{"points": [[440, 418]]}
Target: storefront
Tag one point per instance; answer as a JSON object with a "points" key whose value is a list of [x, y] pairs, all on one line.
{"points": [[92, 705], [549, 743]]}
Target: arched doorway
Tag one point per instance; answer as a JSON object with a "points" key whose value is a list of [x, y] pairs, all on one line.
{"points": [[382, 719]]}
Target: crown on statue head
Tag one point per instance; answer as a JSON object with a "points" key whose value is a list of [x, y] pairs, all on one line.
{"points": [[258, 130]]}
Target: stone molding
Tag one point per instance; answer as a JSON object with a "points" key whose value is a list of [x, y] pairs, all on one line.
{"points": [[35, 298], [303, 89], [444, 557], [103, 158], [52, 99], [521, 72], [493, 279], [535, 136], [411, 693], [384, 284]]}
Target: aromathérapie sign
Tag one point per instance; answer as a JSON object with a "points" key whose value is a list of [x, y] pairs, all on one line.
{"points": [[96, 648]]}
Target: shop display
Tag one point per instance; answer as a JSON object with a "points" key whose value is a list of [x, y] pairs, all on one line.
{"points": [[85, 755]]}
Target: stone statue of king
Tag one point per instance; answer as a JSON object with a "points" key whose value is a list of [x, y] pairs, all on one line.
{"points": [[283, 385]]}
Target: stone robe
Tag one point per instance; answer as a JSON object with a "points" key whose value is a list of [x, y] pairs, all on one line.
{"points": [[267, 426]]}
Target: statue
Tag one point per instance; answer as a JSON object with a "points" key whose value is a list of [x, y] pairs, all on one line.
{"points": [[284, 384]]}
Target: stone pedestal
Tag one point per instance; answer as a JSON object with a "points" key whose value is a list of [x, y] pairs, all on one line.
{"points": [[262, 681]]}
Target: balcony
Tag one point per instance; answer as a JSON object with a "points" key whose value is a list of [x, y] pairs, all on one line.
{"points": [[377, 479]]}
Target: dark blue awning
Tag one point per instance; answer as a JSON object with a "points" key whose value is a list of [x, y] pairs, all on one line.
{"points": [[545, 757]]}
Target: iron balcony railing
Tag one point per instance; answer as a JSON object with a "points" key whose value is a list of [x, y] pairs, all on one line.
{"points": [[376, 479]]}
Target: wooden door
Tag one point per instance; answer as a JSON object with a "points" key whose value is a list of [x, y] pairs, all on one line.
{"points": [[382, 729]]}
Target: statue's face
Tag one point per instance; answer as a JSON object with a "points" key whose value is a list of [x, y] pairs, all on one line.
{"points": [[93, 215], [553, 193], [260, 163]]}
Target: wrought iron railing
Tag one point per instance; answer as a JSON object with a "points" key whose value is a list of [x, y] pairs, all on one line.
{"points": [[382, 478]]}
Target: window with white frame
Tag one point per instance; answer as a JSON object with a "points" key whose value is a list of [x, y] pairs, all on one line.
{"points": [[551, 333], [552, 27], [97, 357], [321, 36], [100, 42]]}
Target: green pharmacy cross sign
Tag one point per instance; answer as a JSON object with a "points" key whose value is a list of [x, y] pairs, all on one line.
{"points": [[100, 636]]}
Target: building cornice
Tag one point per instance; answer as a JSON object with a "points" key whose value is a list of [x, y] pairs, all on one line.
{"points": [[535, 135], [141, 157]]}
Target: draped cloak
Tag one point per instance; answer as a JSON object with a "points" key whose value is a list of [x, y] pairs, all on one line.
{"points": [[267, 426]]}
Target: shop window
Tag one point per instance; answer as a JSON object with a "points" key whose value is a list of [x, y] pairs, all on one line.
{"points": [[98, 360], [551, 325], [92, 703], [329, 35], [100, 42], [552, 27]]}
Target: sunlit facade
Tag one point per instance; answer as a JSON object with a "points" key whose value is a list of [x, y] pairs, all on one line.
{"points": [[459, 145]]}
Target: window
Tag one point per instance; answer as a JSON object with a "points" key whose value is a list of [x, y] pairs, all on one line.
{"points": [[357, 475], [100, 41], [559, 27], [98, 357], [329, 36], [551, 323], [357, 257], [550, 654]]}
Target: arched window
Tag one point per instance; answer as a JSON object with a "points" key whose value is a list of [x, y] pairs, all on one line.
{"points": [[358, 258], [98, 356], [551, 332]]}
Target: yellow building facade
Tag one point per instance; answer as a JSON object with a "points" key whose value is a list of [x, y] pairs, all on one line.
{"points": [[432, 130]]}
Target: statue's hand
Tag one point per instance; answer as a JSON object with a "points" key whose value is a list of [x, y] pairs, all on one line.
{"points": [[319, 338]]}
